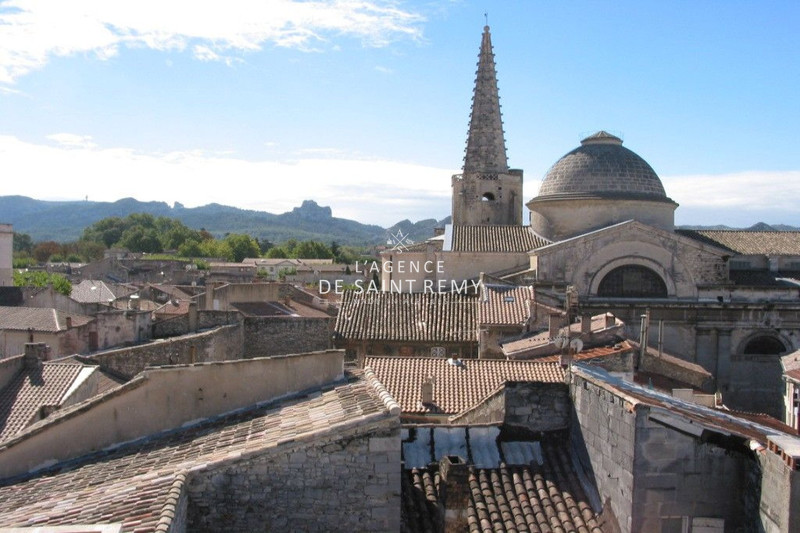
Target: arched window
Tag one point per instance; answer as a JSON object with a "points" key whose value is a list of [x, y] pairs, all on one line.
{"points": [[764, 345], [488, 197], [632, 281]]}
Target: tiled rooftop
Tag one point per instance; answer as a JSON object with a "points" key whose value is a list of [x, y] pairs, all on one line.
{"points": [[407, 317], [519, 239], [134, 484], [92, 291], [273, 308], [749, 242], [504, 304], [457, 387], [533, 487], [32, 389], [43, 319]]}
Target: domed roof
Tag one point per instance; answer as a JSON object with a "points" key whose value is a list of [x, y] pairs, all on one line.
{"points": [[602, 167]]}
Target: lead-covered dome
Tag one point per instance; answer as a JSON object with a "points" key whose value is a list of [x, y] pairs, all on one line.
{"points": [[601, 167]]}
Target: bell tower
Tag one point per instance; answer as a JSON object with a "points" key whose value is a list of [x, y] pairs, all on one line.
{"points": [[487, 192]]}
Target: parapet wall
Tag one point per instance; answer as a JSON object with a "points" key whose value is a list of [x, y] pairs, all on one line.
{"points": [[344, 481], [222, 344]]}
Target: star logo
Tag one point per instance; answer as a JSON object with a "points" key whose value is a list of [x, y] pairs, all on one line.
{"points": [[400, 242]]}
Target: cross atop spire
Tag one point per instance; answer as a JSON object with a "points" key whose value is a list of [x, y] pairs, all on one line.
{"points": [[486, 145]]}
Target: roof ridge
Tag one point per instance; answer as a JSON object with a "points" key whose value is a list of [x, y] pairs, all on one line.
{"points": [[387, 399]]}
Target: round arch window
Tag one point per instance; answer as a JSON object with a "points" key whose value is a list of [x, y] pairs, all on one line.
{"points": [[632, 281], [488, 197], [764, 345]]}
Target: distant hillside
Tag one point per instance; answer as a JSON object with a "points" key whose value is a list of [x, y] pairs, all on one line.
{"points": [[65, 221], [418, 231], [758, 226]]}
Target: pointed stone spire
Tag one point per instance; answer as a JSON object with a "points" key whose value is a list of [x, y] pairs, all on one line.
{"points": [[486, 145]]}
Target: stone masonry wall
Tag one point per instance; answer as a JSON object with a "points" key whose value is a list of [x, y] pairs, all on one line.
{"points": [[180, 325], [348, 481], [285, 335], [602, 435], [677, 475], [221, 344], [538, 406], [533, 406], [780, 486]]}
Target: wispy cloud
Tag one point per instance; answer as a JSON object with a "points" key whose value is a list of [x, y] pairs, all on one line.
{"points": [[36, 30], [70, 140], [749, 190]]}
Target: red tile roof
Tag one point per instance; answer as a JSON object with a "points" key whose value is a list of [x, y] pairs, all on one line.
{"points": [[456, 387], [423, 317], [136, 483], [495, 239], [504, 304]]}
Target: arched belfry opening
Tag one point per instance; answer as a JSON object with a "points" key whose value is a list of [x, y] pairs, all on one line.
{"points": [[488, 197], [632, 281]]}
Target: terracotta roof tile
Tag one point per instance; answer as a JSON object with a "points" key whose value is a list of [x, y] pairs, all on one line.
{"points": [[495, 239], [38, 319], [504, 304], [435, 317], [541, 495], [135, 483], [749, 242], [456, 387], [32, 389]]}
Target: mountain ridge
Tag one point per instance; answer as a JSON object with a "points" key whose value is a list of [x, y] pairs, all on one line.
{"points": [[65, 221]]}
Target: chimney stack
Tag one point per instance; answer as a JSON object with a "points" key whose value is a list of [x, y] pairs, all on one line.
{"points": [[586, 324], [611, 320], [427, 391], [69, 322], [35, 353], [455, 493]]}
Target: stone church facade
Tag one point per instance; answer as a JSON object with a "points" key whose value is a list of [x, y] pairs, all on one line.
{"points": [[603, 224]]}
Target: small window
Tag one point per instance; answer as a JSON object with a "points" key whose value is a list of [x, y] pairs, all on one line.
{"points": [[488, 197]]}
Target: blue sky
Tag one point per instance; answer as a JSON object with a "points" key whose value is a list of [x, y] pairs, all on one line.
{"points": [[364, 105]]}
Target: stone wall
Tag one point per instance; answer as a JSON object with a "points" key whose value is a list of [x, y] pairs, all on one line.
{"points": [[222, 344], [780, 495], [345, 481], [602, 435], [181, 325], [530, 405], [283, 335], [678, 475]]}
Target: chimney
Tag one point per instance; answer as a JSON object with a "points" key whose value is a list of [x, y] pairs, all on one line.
{"points": [[427, 391], [455, 493], [554, 325], [586, 324], [611, 320], [35, 353], [69, 322]]}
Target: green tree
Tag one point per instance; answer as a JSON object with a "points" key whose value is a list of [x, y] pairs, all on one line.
{"points": [[242, 246], [141, 239], [23, 243], [277, 252], [40, 278]]}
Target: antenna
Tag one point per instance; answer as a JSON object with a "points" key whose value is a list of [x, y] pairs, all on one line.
{"points": [[486, 17]]}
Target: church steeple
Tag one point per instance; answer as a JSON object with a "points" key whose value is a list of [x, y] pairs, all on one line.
{"points": [[486, 145], [487, 192]]}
